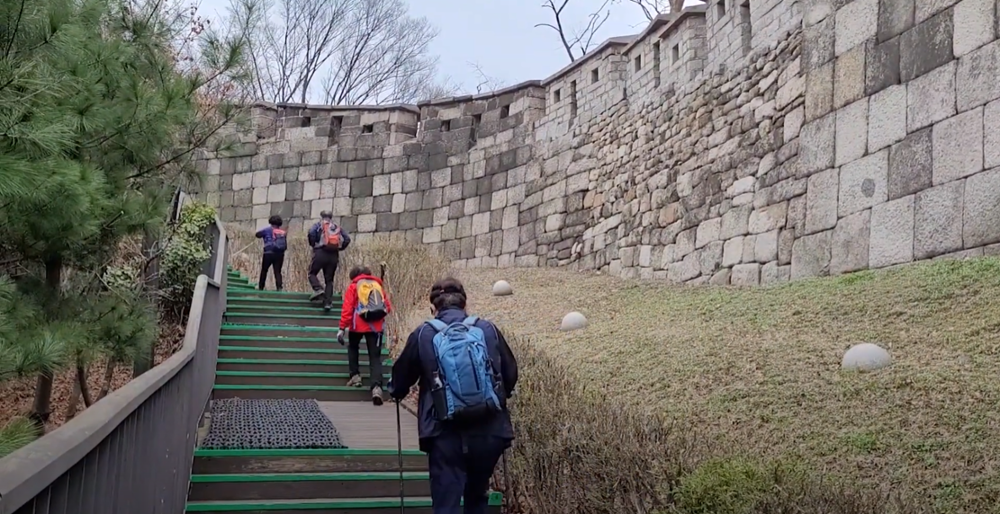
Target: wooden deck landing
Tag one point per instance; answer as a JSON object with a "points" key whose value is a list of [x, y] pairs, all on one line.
{"points": [[364, 426]]}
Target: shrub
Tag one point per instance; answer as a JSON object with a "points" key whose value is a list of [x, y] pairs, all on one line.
{"points": [[580, 452], [186, 252]]}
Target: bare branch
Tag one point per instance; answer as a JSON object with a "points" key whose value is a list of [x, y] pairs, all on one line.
{"points": [[348, 51], [579, 42], [382, 57], [486, 83]]}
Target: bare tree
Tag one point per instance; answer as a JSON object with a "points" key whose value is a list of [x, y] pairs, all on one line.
{"points": [[576, 42], [485, 83], [343, 51], [653, 8]]}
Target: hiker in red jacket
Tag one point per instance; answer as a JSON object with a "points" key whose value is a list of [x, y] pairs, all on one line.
{"points": [[362, 317]]}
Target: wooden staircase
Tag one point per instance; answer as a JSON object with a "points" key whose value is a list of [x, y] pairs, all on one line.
{"points": [[278, 345]]}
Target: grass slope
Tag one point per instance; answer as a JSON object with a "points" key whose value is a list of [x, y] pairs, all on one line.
{"points": [[757, 369]]}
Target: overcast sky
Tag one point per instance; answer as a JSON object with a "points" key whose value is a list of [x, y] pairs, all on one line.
{"points": [[500, 35]]}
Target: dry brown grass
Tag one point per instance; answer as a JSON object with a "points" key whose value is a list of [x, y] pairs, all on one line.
{"points": [[755, 372], [410, 271]]}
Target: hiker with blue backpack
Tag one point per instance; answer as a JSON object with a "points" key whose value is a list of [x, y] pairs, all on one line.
{"points": [[466, 372], [275, 243]]}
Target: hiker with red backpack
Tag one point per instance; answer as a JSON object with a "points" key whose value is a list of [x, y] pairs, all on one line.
{"points": [[466, 372], [362, 316], [275, 243], [327, 239]]}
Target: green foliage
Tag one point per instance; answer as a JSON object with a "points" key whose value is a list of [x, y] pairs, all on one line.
{"points": [[125, 327], [17, 433], [186, 253], [732, 486], [99, 120]]}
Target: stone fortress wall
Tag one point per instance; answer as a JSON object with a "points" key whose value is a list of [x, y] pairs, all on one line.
{"points": [[741, 142]]}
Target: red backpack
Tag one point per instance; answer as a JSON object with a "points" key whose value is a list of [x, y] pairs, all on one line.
{"points": [[329, 236]]}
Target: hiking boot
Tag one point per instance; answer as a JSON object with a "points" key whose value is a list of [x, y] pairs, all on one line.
{"points": [[376, 395], [355, 381], [328, 307], [315, 296]]}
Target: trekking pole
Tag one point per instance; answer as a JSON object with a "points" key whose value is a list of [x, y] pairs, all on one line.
{"points": [[506, 480], [399, 440]]}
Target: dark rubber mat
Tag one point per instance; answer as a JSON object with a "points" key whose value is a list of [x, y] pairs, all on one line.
{"points": [[269, 424]]}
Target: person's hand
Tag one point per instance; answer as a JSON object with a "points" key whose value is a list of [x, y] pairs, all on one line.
{"points": [[341, 336]]}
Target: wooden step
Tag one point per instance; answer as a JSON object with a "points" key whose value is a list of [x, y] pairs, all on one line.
{"points": [[290, 378], [260, 303], [293, 365], [338, 393], [328, 342], [389, 505], [307, 486], [311, 308], [251, 352], [243, 329], [306, 461], [321, 319], [241, 292]]}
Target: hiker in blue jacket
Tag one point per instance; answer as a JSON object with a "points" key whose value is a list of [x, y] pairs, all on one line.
{"points": [[275, 243], [463, 450]]}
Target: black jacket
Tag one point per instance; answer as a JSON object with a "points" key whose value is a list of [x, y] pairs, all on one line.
{"points": [[417, 362]]}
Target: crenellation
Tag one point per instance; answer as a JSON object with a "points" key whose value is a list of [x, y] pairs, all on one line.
{"points": [[746, 144]]}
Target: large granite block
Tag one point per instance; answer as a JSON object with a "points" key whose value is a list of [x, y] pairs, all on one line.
{"points": [[937, 220]]}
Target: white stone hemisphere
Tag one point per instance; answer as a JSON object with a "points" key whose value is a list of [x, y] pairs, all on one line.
{"points": [[866, 357], [502, 288], [573, 321]]}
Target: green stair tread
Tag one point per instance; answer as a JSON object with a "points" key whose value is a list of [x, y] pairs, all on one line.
{"points": [[279, 315], [282, 350], [280, 309], [308, 477], [297, 362], [271, 293], [285, 374], [235, 387], [304, 452], [316, 504], [244, 326], [251, 299], [230, 337]]}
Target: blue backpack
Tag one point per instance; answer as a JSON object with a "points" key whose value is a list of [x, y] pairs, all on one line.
{"points": [[280, 239], [465, 371]]}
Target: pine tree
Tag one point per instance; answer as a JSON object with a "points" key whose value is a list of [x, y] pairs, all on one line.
{"points": [[98, 124]]}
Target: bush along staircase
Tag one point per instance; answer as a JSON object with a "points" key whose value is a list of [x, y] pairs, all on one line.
{"points": [[286, 435]]}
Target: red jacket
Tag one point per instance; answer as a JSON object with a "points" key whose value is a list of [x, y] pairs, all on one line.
{"points": [[348, 317]]}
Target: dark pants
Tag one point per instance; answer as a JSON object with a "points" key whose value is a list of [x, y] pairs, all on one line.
{"points": [[275, 260], [456, 473], [326, 262], [374, 342]]}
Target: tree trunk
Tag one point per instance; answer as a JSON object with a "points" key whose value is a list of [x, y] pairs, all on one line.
{"points": [[74, 401], [42, 408], [81, 381], [109, 374], [143, 362]]}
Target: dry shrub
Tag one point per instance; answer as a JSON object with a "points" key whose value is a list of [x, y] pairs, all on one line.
{"points": [[576, 453], [410, 270], [579, 452]]}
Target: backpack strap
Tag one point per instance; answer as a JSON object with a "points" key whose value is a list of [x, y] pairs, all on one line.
{"points": [[437, 324], [470, 321]]}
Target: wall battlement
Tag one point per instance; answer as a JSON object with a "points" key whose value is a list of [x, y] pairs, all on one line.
{"points": [[737, 142]]}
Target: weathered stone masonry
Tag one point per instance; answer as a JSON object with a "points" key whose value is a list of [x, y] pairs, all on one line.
{"points": [[738, 143]]}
